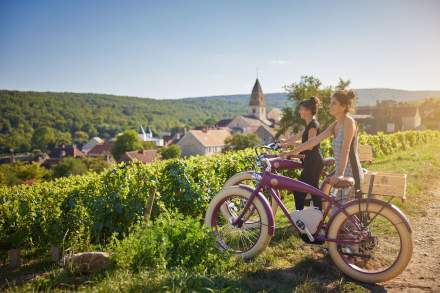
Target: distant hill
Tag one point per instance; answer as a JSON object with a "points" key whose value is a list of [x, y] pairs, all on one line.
{"points": [[370, 96], [366, 97], [276, 100], [105, 115]]}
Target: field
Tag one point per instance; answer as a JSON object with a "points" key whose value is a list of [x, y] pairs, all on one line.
{"points": [[288, 264]]}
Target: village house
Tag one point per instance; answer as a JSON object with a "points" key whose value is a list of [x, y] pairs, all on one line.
{"points": [[143, 156], [389, 116], [203, 142], [91, 144], [266, 134], [411, 118], [169, 139], [59, 153], [275, 115], [103, 150]]}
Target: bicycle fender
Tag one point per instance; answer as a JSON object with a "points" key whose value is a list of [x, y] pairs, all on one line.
{"points": [[402, 216], [267, 208]]}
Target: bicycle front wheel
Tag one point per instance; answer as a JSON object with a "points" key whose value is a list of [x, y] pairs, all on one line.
{"points": [[247, 178], [253, 236]]}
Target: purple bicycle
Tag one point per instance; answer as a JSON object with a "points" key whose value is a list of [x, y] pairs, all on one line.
{"points": [[368, 239]]}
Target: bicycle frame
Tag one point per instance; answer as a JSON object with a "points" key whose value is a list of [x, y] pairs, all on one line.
{"points": [[278, 164], [274, 182]]}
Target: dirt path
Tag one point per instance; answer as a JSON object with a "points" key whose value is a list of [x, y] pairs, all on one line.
{"points": [[423, 272]]}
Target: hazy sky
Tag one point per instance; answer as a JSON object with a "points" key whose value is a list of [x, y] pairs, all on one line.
{"points": [[170, 49]]}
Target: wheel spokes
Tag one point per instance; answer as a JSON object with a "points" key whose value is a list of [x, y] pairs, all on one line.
{"points": [[237, 238], [372, 243]]}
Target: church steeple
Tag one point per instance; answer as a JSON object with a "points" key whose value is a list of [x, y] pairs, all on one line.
{"points": [[257, 104]]}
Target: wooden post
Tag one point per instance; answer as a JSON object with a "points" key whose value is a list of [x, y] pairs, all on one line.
{"points": [[149, 207], [14, 258]]}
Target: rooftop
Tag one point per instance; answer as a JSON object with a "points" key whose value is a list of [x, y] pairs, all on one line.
{"points": [[257, 96], [211, 137]]}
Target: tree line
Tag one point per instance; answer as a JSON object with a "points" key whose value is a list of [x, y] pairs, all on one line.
{"points": [[39, 120]]}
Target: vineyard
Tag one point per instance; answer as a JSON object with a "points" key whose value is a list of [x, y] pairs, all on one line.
{"points": [[107, 212], [91, 209]]}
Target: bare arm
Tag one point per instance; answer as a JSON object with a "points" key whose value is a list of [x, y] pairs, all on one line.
{"points": [[291, 141], [316, 140], [311, 142], [312, 133], [349, 130]]}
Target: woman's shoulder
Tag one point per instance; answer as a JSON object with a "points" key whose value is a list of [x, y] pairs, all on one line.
{"points": [[314, 124], [349, 122]]}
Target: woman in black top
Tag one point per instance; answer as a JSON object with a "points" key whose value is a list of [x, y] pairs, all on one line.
{"points": [[312, 162]]}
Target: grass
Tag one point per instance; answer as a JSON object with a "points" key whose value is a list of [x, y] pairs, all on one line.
{"points": [[287, 265]]}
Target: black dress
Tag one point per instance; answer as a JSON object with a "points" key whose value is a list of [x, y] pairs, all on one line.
{"points": [[312, 168]]}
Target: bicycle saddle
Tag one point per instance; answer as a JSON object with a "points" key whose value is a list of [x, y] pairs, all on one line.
{"points": [[344, 182], [330, 161]]}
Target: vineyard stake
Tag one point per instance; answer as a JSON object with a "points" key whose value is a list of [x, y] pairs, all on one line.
{"points": [[149, 207], [14, 258]]}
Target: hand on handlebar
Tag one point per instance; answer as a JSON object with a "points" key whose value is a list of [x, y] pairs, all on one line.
{"points": [[291, 155], [283, 144]]}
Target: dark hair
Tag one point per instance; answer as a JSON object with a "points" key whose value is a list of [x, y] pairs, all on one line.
{"points": [[345, 98], [311, 104]]}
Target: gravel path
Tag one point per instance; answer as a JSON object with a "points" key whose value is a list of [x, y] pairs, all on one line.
{"points": [[423, 272]]}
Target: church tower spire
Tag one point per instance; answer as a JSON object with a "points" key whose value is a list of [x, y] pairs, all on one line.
{"points": [[257, 104]]}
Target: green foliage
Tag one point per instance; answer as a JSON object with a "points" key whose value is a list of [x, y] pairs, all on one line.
{"points": [[43, 137], [148, 145], [240, 141], [385, 144], [63, 138], [127, 141], [170, 242], [21, 113], [307, 87], [18, 140], [170, 152], [69, 166], [96, 164], [80, 137], [94, 207], [430, 112], [18, 173]]}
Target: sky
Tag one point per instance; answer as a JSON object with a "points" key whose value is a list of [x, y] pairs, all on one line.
{"points": [[187, 48]]}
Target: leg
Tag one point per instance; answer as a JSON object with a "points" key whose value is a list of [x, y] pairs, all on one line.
{"points": [[299, 200], [317, 200], [312, 172], [300, 196]]}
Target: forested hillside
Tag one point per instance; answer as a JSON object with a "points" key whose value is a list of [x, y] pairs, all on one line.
{"points": [[75, 116], [106, 115]]}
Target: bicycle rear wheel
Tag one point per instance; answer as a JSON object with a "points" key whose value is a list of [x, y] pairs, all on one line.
{"points": [[374, 241]]}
